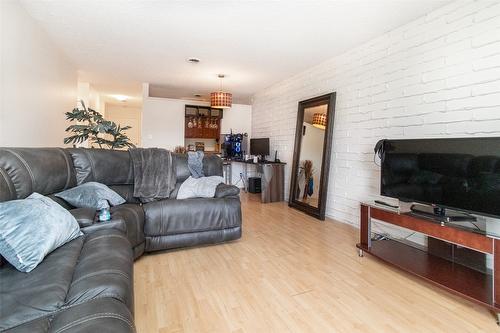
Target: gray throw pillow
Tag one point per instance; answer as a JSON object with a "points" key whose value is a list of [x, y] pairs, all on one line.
{"points": [[33, 227], [91, 195], [203, 187]]}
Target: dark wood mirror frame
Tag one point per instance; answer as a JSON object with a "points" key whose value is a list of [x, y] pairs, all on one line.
{"points": [[318, 212]]}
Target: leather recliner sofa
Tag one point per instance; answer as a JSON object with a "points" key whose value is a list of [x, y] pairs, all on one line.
{"points": [[86, 285]]}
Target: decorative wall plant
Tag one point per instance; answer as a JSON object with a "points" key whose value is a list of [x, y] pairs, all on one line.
{"points": [[91, 125]]}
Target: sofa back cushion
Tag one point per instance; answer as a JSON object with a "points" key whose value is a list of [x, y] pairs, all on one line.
{"points": [[212, 166], [28, 170], [7, 190], [109, 167]]}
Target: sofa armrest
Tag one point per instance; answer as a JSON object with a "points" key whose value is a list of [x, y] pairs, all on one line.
{"points": [[116, 223], [84, 216], [224, 190]]}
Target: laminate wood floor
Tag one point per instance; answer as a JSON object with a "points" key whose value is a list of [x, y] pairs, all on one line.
{"points": [[291, 273]]}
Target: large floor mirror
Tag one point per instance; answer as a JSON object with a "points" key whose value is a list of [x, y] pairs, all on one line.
{"points": [[311, 158]]}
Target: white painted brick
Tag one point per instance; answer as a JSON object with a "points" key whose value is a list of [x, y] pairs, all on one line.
{"points": [[405, 121], [473, 78], [462, 127], [448, 94], [446, 72], [485, 127], [486, 38], [485, 63], [438, 76], [467, 10], [486, 88], [474, 102], [422, 88], [488, 13], [447, 117], [424, 130], [486, 113], [388, 113], [446, 10]]}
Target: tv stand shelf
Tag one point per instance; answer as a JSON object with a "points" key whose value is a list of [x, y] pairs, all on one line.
{"points": [[478, 287]]}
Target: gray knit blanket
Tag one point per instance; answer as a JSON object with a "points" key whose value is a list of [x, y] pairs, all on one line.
{"points": [[195, 163], [154, 173]]}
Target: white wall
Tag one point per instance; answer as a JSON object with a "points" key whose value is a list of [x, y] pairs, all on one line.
{"points": [[238, 119], [438, 76], [91, 97], [38, 83], [126, 115], [163, 120]]}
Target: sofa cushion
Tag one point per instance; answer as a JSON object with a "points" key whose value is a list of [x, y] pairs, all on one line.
{"points": [[133, 215], [202, 187], [84, 216], [24, 297], [126, 192], [7, 190], [91, 195], [110, 167], [99, 315], [103, 315], [42, 170], [77, 280], [225, 190], [168, 217], [158, 243], [33, 227], [212, 166], [104, 269]]}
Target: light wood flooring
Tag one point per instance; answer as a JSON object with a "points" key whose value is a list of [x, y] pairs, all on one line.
{"points": [[291, 273]]}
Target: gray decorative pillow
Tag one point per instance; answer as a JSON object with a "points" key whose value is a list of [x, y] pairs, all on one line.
{"points": [[203, 187], [91, 195], [33, 227]]}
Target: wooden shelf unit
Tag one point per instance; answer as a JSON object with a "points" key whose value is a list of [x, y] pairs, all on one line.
{"points": [[478, 287], [203, 114]]}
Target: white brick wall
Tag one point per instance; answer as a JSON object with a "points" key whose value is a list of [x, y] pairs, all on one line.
{"points": [[437, 76]]}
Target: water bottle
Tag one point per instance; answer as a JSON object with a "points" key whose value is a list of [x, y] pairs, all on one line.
{"points": [[104, 215]]}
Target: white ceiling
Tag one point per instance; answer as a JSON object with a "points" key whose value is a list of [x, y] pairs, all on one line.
{"points": [[116, 44]]}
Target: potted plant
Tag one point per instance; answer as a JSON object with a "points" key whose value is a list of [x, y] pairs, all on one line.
{"points": [[91, 125]]}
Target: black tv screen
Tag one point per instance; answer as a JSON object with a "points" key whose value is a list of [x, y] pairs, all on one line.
{"points": [[259, 146], [461, 174]]}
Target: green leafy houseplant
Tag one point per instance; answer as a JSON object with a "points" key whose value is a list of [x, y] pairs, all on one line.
{"points": [[92, 126]]}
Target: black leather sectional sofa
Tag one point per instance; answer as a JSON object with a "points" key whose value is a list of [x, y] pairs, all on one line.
{"points": [[87, 284]]}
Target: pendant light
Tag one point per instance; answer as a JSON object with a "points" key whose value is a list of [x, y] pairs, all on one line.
{"points": [[221, 99], [319, 120]]}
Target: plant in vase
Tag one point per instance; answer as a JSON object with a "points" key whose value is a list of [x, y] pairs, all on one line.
{"points": [[307, 167]]}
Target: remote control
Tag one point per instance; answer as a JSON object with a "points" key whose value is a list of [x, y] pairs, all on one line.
{"points": [[385, 204]]}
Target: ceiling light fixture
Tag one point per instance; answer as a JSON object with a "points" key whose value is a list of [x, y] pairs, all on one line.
{"points": [[193, 60], [121, 98], [220, 99], [319, 120], [197, 95]]}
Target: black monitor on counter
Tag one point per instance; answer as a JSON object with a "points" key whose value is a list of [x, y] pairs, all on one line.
{"points": [[456, 173], [259, 147]]}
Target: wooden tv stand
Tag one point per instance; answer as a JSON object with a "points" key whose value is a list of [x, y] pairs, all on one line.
{"points": [[478, 287]]}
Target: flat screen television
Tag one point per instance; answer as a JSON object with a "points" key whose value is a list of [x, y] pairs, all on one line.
{"points": [[259, 146], [461, 174]]}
